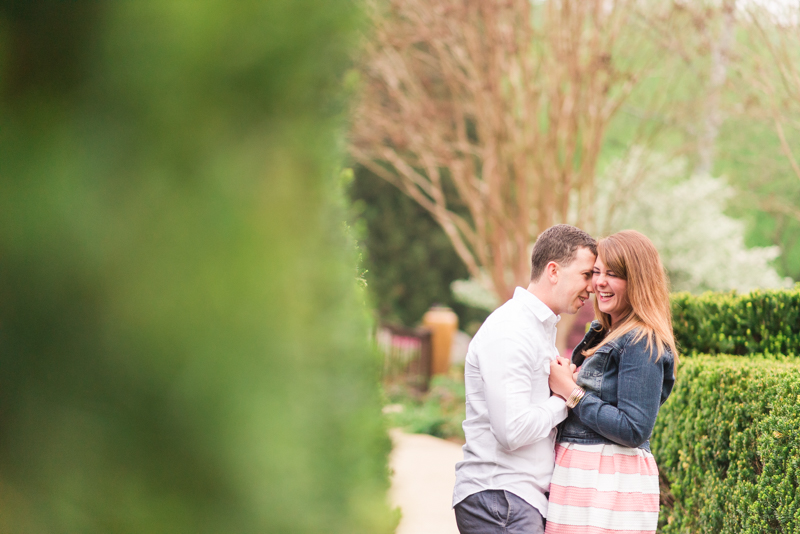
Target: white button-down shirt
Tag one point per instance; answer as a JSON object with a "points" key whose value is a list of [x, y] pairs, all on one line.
{"points": [[511, 417]]}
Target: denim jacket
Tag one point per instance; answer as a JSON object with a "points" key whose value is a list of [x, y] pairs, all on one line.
{"points": [[625, 387]]}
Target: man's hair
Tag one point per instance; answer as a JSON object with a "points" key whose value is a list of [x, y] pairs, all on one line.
{"points": [[559, 243]]}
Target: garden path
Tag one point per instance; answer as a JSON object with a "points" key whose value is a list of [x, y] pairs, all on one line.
{"points": [[422, 482]]}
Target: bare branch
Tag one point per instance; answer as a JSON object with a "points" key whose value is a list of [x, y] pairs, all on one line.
{"points": [[500, 106]]}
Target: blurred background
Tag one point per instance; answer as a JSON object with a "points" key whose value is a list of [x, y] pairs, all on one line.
{"points": [[477, 126], [222, 224], [678, 119]]}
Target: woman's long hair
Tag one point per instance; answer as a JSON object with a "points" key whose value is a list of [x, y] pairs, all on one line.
{"points": [[632, 257]]}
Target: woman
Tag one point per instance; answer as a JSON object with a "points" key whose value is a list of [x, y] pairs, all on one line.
{"points": [[605, 476]]}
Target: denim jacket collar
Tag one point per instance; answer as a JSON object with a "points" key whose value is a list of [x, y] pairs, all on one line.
{"points": [[595, 335]]}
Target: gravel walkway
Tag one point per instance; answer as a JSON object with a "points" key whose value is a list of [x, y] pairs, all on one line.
{"points": [[422, 483]]}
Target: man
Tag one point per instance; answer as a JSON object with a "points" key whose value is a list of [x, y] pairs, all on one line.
{"points": [[508, 461]]}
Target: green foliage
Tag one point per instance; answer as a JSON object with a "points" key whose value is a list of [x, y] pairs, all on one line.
{"points": [[439, 412], [728, 441], [183, 343], [410, 261], [753, 162], [762, 321]]}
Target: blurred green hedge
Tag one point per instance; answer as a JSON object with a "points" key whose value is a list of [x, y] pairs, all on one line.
{"points": [[759, 322], [183, 344], [727, 442]]}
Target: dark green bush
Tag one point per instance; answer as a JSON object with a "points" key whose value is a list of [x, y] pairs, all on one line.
{"points": [[728, 443], [761, 322], [183, 347], [409, 259]]}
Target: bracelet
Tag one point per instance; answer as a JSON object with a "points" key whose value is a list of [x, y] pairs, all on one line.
{"points": [[575, 397]]}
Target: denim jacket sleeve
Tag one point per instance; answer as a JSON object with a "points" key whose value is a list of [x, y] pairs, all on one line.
{"points": [[639, 384]]}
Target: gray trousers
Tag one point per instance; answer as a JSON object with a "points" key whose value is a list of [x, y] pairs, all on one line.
{"points": [[497, 512]]}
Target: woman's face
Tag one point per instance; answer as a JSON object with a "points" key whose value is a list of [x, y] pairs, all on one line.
{"points": [[611, 292]]}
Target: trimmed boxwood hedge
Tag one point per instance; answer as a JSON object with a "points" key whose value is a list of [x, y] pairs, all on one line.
{"points": [[728, 447], [760, 322]]}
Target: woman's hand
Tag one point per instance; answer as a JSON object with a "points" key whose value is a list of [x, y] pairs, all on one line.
{"points": [[561, 379]]}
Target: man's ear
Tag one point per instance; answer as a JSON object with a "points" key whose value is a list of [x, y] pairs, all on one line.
{"points": [[552, 271]]}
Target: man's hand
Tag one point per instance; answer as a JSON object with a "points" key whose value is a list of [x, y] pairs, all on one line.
{"points": [[561, 380]]}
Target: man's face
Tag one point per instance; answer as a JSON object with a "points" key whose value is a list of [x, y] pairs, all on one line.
{"points": [[575, 282]]}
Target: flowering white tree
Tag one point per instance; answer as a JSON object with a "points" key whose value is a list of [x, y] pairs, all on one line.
{"points": [[702, 248]]}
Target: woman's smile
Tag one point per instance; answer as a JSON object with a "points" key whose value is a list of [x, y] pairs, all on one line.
{"points": [[611, 291]]}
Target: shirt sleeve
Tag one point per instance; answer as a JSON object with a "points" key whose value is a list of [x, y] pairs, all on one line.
{"points": [[639, 383], [509, 378]]}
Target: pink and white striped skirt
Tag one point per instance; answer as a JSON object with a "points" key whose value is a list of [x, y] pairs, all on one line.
{"points": [[603, 489]]}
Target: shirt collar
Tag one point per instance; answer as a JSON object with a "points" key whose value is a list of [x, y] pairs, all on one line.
{"points": [[539, 308]]}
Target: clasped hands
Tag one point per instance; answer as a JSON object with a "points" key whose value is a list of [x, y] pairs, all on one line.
{"points": [[562, 377]]}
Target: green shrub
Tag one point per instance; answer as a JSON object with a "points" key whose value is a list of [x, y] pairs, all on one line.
{"points": [[182, 342], [760, 322], [728, 443], [439, 412]]}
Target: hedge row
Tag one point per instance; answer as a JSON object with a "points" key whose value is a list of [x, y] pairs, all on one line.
{"points": [[183, 345], [760, 322], [728, 447]]}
